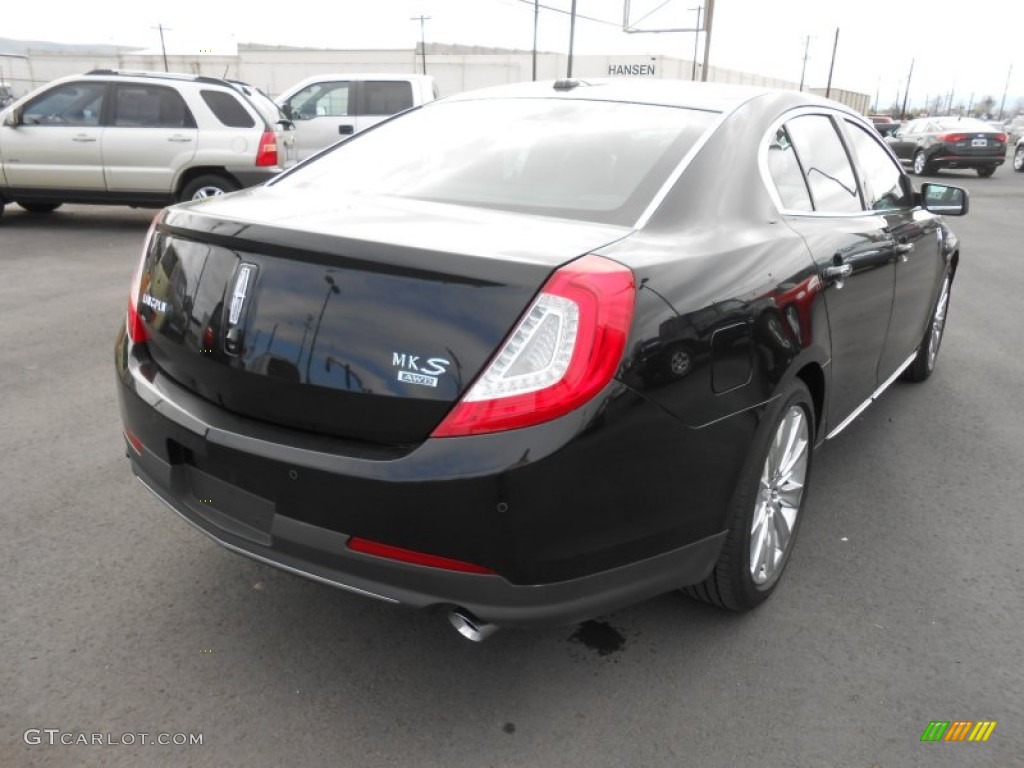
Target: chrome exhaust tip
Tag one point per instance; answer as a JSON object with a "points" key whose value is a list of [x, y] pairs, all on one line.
{"points": [[470, 627]]}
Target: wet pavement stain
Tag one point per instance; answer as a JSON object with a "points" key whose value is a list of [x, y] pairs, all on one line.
{"points": [[509, 728], [598, 636]]}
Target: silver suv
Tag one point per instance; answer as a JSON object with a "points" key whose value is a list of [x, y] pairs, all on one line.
{"points": [[144, 139]]}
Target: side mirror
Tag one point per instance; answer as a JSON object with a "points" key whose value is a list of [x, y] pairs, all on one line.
{"points": [[944, 199], [13, 119]]}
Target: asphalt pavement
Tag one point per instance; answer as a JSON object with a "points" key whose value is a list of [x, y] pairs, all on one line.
{"points": [[903, 603]]}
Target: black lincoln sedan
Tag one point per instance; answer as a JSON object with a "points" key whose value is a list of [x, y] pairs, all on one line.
{"points": [[929, 144], [531, 354]]}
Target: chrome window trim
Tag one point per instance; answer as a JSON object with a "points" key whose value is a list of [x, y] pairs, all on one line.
{"points": [[769, 184]]}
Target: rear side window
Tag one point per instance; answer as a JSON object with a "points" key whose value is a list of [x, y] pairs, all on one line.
{"points": [[228, 109], [590, 160], [150, 106], [825, 164], [786, 173], [384, 97]]}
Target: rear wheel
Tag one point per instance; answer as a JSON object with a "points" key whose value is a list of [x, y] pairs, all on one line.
{"points": [[928, 351], [921, 165], [766, 506], [986, 172], [40, 207], [1018, 159], [207, 186]]}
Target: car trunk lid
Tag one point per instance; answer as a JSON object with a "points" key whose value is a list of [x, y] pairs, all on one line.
{"points": [[355, 318]]}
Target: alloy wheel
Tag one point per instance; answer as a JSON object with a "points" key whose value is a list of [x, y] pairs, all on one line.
{"points": [[938, 323], [779, 495], [205, 193]]}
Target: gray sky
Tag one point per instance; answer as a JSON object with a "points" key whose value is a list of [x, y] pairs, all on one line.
{"points": [[967, 50]]}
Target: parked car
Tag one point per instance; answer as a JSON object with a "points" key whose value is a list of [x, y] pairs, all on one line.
{"points": [[1018, 156], [932, 143], [1015, 130], [435, 365], [884, 124], [138, 138], [328, 108]]}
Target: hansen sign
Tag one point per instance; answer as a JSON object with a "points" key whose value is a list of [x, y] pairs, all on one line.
{"points": [[631, 69]]}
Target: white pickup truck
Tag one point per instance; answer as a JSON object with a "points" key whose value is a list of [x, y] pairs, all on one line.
{"points": [[327, 108]]}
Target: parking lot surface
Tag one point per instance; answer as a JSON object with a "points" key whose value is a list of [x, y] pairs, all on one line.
{"points": [[902, 604]]}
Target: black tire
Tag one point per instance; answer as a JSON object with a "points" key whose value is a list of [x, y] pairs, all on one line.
{"points": [[928, 350], [40, 207], [207, 186], [1018, 160], [732, 583], [986, 172], [920, 164]]}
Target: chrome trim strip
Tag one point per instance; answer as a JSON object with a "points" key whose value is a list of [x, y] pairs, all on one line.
{"points": [[264, 560], [877, 393]]}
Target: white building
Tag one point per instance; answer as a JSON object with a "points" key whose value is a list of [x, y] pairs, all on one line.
{"points": [[456, 68]]}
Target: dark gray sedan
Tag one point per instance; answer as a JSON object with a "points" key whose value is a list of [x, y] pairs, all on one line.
{"points": [[931, 143]]}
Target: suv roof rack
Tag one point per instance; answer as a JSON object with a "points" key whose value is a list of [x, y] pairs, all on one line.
{"points": [[159, 75]]}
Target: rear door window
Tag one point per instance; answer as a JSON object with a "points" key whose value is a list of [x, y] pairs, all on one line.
{"points": [[228, 109], [150, 106], [386, 97]]}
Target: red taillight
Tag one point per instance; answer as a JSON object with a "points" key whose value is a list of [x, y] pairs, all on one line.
{"points": [[136, 326], [267, 154], [951, 138], [1001, 138], [377, 549], [564, 350]]}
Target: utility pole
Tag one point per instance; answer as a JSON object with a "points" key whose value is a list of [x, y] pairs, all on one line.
{"points": [[163, 48], [572, 37], [832, 66], [423, 38], [807, 47], [536, 23], [696, 41], [709, 16], [906, 93], [1005, 89]]}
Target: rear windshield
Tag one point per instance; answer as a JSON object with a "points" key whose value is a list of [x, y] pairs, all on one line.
{"points": [[591, 160]]}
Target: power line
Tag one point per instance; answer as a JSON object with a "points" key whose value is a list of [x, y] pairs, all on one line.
{"points": [[616, 24]]}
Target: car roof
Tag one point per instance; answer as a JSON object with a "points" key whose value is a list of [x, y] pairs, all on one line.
{"points": [[712, 97]]}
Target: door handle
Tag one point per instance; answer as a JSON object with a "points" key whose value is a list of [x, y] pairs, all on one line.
{"points": [[83, 138], [180, 138], [902, 249], [838, 272], [346, 130]]}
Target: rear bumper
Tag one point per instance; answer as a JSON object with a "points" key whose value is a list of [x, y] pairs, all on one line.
{"points": [[252, 177], [576, 525], [962, 161], [322, 555]]}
